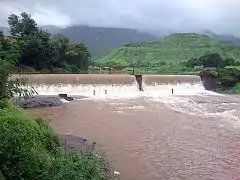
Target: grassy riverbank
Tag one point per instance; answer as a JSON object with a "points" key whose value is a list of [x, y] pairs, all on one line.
{"points": [[29, 149]]}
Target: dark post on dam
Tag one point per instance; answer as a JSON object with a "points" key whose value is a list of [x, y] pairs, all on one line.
{"points": [[139, 81]]}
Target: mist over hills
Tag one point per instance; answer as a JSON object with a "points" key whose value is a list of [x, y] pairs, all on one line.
{"points": [[102, 40]]}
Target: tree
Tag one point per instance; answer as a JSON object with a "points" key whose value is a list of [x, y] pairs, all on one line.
{"points": [[62, 45], [74, 55], [229, 62], [36, 48], [40, 51], [193, 62], [212, 60], [208, 60], [9, 54], [79, 56], [22, 25]]}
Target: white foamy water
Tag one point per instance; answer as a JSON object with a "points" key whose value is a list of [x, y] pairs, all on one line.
{"points": [[208, 108], [178, 89], [123, 91], [97, 91]]}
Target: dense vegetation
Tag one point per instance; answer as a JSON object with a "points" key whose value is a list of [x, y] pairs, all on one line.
{"points": [[29, 149], [169, 54], [42, 52]]}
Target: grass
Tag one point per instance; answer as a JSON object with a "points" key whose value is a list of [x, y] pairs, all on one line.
{"points": [[169, 52], [29, 149]]}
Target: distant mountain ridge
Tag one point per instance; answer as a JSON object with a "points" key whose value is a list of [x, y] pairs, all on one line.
{"points": [[102, 40]]}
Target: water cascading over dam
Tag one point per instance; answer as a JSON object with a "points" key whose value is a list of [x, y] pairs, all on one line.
{"points": [[176, 84], [115, 85], [83, 84]]}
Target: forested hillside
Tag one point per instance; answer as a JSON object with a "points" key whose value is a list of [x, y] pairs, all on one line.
{"points": [[174, 48]]}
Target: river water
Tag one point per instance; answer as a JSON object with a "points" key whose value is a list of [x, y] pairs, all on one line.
{"points": [[192, 134]]}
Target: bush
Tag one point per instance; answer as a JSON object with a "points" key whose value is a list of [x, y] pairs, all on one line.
{"points": [[228, 81], [209, 72], [30, 150], [4, 104], [162, 63], [237, 88]]}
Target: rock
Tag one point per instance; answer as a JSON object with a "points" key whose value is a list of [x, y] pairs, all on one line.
{"points": [[38, 101], [69, 98], [77, 144], [64, 96]]}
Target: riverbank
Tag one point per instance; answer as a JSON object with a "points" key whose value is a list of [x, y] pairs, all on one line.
{"points": [[31, 150], [221, 80]]}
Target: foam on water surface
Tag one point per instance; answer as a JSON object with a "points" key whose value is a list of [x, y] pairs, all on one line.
{"points": [[123, 91], [94, 91]]}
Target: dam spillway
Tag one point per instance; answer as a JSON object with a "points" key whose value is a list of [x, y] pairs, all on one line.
{"points": [[115, 85]]}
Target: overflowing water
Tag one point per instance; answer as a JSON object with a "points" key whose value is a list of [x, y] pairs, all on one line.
{"points": [[114, 86], [174, 129], [185, 94], [97, 91]]}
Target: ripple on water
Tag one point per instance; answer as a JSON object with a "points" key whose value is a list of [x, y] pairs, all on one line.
{"points": [[208, 106]]}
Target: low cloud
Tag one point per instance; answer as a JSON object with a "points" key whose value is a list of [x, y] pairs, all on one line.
{"points": [[221, 16]]}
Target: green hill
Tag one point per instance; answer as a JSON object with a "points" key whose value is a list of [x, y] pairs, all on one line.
{"points": [[171, 49]]}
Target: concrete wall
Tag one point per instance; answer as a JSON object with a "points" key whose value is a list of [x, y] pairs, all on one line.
{"points": [[209, 82]]}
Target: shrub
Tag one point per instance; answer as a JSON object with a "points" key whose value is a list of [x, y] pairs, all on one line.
{"points": [[21, 149], [237, 88], [209, 72], [4, 104], [162, 63], [228, 81], [30, 150]]}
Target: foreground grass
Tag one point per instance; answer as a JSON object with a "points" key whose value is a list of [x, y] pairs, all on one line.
{"points": [[29, 149]]}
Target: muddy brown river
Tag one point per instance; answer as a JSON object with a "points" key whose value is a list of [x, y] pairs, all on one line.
{"points": [[192, 134]]}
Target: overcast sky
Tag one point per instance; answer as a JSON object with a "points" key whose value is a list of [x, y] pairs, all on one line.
{"points": [[217, 15]]}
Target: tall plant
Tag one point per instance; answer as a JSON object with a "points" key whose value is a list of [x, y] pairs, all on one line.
{"points": [[9, 55]]}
